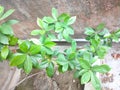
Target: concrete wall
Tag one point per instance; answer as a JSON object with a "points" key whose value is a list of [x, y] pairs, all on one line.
{"points": [[88, 12]]}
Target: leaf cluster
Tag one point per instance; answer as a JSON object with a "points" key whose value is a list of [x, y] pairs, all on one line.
{"points": [[40, 53]]}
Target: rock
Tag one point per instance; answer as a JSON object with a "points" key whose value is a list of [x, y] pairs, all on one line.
{"points": [[9, 76]]}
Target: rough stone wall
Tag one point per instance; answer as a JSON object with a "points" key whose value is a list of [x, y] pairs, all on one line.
{"points": [[88, 12]]}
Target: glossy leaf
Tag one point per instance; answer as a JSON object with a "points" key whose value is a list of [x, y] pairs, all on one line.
{"points": [[44, 64], [6, 14], [65, 67], [50, 69], [48, 20], [6, 29], [18, 59], [35, 60], [89, 31], [51, 36], [1, 10], [100, 26], [35, 32], [13, 40], [71, 20], [84, 64], [85, 78], [40, 23], [34, 49], [79, 73], [54, 13], [28, 65], [66, 36], [3, 39], [63, 16], [24, 46], [11, 22], [60, 36], [101, 68], [61, 60], [4, 52], [50, 44], [95, 81]]}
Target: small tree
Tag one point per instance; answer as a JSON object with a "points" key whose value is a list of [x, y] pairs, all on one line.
{"points": [[40, 53]]}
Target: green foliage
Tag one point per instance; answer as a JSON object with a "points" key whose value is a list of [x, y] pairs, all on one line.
{"points": [[8, 13], [95, 81], [40, 54], [4, 52], [18, 59], [85, 77], [101, 68], [50, 69], [6, 33]]}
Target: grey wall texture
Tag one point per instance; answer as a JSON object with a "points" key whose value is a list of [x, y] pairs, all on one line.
{"points": [[88, 12]]}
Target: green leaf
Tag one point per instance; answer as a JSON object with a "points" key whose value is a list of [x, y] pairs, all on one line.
{"points": [[89, 31], [50, 27], [1, 10], [101, 68], [65, 67], [40, 23], [85, 78], [97, 37], [28, 65], [87, 55], [3, 39], [11, 22], [84, 64], [50, 69], [63, 16], [50, 44], [18, 59], [94, 43], [49, 20], [51, 36], [117, 33], [58, 27], [46, 50], [105, 33], [81, 72], [61, 60], [34, 49], [44, 64], [92, 48], [76, 74], [71, 20], [35, 32], [72, 56], [60, 37], [100, 26], [69, 30], [42, 32], [4, 52], [24, 46], [6, 14], [36, 59], [54, 13], [6, 29], [95, 81], [66, 36], [13, 40], [102, 51]]}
